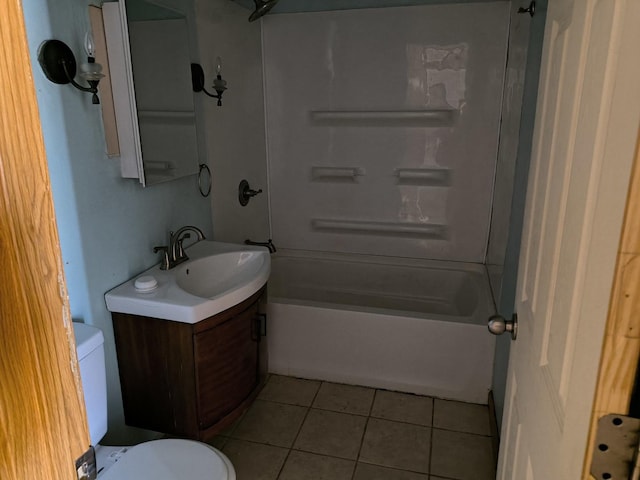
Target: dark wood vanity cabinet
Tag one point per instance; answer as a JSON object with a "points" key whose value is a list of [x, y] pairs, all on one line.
{"points": [[190, 380]]}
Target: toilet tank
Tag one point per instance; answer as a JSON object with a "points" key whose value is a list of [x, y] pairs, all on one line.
{"points": [[90, 347]]}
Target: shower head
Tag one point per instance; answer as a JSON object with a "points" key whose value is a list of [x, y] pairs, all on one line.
{"points": [[262, 8]]}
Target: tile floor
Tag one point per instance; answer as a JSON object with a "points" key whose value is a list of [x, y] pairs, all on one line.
{"points": [[310, 430]]}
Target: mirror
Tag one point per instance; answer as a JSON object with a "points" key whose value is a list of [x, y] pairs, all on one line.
{"points": [[152, 89]]}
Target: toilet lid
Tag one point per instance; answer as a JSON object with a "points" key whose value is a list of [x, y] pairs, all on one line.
{"points": [[171, 459]]}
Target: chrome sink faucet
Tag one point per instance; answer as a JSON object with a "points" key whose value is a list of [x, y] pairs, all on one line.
{"points": [[174, 254]]}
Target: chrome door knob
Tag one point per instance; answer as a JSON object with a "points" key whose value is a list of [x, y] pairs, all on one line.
{"points": [[499, 325]]}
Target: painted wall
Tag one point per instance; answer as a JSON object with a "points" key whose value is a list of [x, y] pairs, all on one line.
{"points": [[520, 175], [108, 225], [235, 132], [511, 111]]}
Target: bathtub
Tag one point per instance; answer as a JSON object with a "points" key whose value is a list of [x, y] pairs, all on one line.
{"points": [[416, 326]]}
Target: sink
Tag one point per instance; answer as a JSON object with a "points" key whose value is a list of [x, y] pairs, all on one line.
{"points": [[216, 277]]}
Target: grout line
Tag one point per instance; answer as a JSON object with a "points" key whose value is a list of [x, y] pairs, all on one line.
{"points": [[461, 431], [488, 435], [402, 422], [286, 457], [373, 401], [340, 411], [306, 414], [433, 418], [368, 416], [364, 433], [299, 429]]}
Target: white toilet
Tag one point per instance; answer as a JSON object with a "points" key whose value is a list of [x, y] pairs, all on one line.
{"points": [[168, 459]]}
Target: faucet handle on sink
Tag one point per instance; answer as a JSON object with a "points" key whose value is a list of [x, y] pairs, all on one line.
{"points": [[164, 265], [180, 253]]}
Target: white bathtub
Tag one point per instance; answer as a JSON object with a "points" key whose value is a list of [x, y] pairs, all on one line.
{"points": [[410, 325]]}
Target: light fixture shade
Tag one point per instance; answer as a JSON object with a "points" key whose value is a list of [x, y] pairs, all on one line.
{"points": [[91, 71], [219, 84]]}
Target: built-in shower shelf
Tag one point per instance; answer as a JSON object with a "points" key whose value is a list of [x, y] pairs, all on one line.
{"points": [[387, 118], [159, 166], [336, 174], [166, 116], [402, 229], [434, 177]]}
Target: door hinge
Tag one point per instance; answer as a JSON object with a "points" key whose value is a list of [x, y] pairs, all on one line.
{"points": [[615, 455], [86, 465]]}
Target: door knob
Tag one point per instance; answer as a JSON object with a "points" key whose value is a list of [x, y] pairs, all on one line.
{"points": [[498, 325]]}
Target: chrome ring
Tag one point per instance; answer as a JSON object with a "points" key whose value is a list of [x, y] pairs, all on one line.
{"points": [[204, 191]]}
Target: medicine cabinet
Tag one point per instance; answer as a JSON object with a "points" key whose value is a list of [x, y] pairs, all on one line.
{"points": [[150, 65]]}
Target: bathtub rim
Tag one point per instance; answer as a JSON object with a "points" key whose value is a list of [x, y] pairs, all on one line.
{"points": [[477, 272]]}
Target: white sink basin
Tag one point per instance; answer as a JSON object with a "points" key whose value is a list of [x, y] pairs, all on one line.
{"points": [[216, 277]]}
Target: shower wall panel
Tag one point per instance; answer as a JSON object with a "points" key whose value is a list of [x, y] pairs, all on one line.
{"points": [[382, 128]]}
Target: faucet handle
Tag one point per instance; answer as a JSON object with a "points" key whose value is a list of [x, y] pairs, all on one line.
{"points": [[180, 253], [164, 265]]}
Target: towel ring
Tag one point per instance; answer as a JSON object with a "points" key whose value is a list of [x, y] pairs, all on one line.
{"points": [[204, 191]]}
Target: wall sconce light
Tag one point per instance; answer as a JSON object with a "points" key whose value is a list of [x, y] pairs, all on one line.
{"points": [[219, 85], [59, 65]]}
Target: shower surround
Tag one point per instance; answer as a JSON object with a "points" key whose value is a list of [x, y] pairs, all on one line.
{"points": [[382, 139]]}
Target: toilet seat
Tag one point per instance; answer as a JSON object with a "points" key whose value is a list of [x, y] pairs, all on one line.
{"points": [[171, 459]]}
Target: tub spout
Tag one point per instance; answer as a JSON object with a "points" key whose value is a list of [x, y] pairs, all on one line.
{"points": [[269, 244]]}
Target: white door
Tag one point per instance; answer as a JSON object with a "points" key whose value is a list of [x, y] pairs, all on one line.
{"points": [[586, 128]]}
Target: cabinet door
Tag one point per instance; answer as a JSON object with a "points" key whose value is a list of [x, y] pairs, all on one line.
{"points": [[226, 365]]}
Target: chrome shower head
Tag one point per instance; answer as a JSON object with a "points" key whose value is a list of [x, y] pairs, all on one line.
{"points": [[262, 8]]}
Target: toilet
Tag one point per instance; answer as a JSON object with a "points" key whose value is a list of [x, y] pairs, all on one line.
{"points": [[167, 459]]}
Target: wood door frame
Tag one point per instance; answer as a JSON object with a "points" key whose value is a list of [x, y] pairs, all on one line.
{"points": [[43, 426], [621, 344]]}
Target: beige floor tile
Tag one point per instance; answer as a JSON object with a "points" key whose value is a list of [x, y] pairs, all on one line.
{"points": [[255, 461], [462, 456], [461, 417], [344, 398], [294, 391], [331, 433], [271, 423], [396, 445], [374, 472], [227, 432], [403, 407], [218, 441], [307, 466]]}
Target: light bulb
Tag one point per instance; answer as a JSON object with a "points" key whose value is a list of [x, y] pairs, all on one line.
{"points": [[89, 45], [218, 66], [90, 70]]}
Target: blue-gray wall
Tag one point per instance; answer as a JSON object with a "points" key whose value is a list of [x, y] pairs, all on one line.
{"points": [[107, 225], [521, 175]]}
